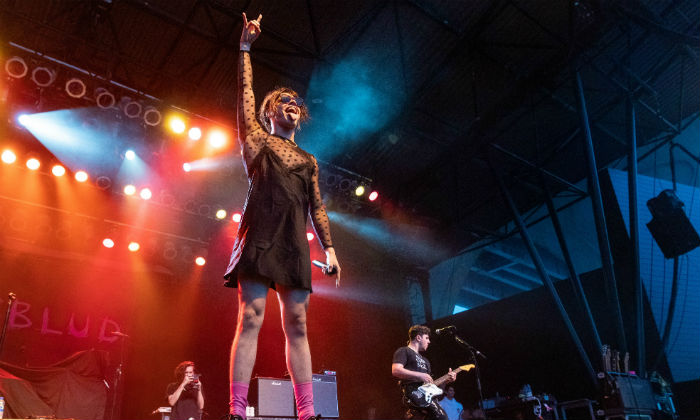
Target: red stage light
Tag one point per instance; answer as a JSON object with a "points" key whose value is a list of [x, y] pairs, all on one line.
{"points": [[108, 243], [58, 170], [200, 261], [220, 214], [309, 236], [236, 217], [186, 167], [134, 246], [373, 196], [194, 133], [33, 164], [8, 156], [217, 139]]}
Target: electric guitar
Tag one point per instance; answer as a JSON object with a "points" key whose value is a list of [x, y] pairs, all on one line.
{"points": [[424, 394]]}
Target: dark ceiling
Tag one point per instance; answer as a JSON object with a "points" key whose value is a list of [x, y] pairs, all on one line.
{"points": [[466, 88]]}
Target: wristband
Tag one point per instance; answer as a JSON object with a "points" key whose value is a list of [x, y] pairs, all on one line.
{"points": [[245, 47]]}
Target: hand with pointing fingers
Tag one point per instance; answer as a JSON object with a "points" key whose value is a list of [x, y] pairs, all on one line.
{"points": [[251, 31]]}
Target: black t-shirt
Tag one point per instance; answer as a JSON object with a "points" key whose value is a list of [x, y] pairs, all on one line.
{"points": [[411, 360], [186, 406]]}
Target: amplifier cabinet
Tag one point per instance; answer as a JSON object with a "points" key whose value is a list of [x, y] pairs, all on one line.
{"points": [[272, 397], [326, 395]]}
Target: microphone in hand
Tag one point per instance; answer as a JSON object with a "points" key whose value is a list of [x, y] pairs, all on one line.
{"points": [[327, 269]]}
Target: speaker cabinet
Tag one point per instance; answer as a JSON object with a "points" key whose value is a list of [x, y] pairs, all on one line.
{"points": [[670, 226], [635, 392], [325, 395], [272, 397], [627, 392]]}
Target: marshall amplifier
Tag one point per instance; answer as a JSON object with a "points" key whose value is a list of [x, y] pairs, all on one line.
{"points": [[326, 395], [272, 397]]}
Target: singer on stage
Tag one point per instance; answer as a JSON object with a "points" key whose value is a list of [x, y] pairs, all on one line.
{"points": [[271, 249], [413, 370], [185, 396]]}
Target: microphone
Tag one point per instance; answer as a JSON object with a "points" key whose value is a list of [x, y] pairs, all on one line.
{"points": [[450, 329], [327, 269]]}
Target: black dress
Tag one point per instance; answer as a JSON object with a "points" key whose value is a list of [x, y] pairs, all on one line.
{"points": [[283, 188]]}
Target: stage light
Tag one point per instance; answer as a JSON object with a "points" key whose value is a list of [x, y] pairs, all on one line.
{"points": [[236, 217], [146, 194], [309, 236], [130, 154], [16, 67], [81, 176], [104, 98], [103, 182], [221, 214], [131, 109], [8, 156], [200, 261], [129, 190], [344, 184], [151, 116], [217, 139], [75, 88], [43, 77], [134, 246], [195, 133], [107, 243], [23, 119], [177, 125], [33, 164], [359, 190], [58, 170], [186, 167], [373, 196]]}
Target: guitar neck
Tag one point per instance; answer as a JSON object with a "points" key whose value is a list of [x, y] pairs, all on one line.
{"points": [[441, 380]]}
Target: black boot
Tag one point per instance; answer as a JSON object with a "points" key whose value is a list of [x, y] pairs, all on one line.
{"points": [[231, 417]]}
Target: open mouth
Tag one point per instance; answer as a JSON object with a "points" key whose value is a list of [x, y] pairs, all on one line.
{"points": [[292, 110]]}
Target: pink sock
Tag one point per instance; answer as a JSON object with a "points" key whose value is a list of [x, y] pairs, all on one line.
{"points": [[305, 400], [239, 398]]}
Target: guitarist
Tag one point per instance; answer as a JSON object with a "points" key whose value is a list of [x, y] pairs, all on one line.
{"points": [[413, 370]]}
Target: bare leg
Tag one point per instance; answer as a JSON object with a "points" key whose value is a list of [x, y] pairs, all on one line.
{"points": [[293, 306], [252, 294]]}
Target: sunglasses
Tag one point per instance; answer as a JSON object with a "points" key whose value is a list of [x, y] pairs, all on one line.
{"points": [[285, 99]]}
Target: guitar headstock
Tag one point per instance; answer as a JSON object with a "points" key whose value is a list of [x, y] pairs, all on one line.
{"points": [[467, 368]]}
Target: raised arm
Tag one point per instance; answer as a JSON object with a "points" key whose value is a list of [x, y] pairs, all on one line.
{"points": [[250, 133]]}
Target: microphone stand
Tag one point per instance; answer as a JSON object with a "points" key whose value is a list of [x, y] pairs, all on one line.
{"points": [[11, 296], [118, 376], [473, 352]]}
